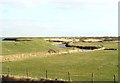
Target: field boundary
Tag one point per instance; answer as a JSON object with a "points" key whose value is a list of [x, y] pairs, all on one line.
{"points": [[47, 77], [23, 56]]}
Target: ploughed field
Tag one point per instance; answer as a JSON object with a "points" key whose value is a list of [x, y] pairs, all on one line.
{"points": [[80, 65]]}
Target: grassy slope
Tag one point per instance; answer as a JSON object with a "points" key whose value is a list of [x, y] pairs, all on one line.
{"points": [[37, 45]]}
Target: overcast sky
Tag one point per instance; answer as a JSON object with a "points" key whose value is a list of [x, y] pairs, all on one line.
{"points": [[58, 18]]}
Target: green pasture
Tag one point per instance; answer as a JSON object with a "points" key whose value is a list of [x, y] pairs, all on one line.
{"points": [[104, 64], [35, 45]]}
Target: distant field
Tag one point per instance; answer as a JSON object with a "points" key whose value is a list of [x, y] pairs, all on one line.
{"points": [[36, 45], [105, 44], [103, 63]]}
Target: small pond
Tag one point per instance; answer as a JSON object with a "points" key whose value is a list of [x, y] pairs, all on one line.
{"points": [[61, 45]]}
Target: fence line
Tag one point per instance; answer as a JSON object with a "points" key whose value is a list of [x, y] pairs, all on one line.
{"points": [[68, 75]]}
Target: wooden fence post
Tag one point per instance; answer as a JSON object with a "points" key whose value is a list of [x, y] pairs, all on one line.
{"points": [[27, 73], [69, 76], [46, 74], [114, 79], [8, 71], [92, 77]]}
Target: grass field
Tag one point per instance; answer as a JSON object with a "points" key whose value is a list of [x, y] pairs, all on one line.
{"points": [[105, 44], [103, 63], [36, 45]]}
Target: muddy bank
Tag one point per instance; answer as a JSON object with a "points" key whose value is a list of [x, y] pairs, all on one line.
{"points": [[83, 47], [110, 49]]}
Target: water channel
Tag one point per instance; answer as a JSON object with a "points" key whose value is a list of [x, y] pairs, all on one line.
{"points": [[61, 45], [81, 48]]}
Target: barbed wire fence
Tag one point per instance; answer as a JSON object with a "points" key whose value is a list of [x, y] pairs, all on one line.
{"points": [[68, 75]]}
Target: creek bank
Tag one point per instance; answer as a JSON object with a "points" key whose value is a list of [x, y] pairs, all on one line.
{"points": [[110, 49], [79, 47]]}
